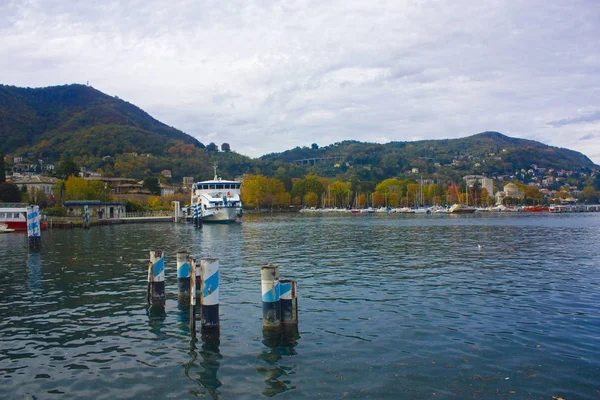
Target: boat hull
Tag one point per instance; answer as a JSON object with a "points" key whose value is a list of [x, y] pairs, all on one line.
{"points": [[20, 225], [222, 215]]}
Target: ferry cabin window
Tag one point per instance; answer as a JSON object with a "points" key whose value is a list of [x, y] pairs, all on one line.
{"points": [[212, 186], [2, 216], [15, 215], [220, 186]]}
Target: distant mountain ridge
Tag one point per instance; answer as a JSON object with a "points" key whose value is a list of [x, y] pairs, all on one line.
{"points": [[106, 134], [75, 119], [485, 153]]}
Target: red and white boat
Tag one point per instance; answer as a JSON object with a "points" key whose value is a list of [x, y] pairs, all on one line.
{"points": [[13, 217]]}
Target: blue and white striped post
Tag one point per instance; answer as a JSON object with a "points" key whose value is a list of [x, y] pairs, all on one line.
{"points": [[192, 290], [34, 221], [209, 268], [156, 279], [269, 276], [197, 214], [289, 303], [183, 273], [86, 217]]}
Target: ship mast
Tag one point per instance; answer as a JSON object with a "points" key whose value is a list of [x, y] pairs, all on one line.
{"points": [[215, 169]]}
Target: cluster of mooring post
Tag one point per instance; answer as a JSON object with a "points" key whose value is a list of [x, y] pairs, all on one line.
{"points": [[86, 217], [198, 282], [279, 300], [34, 221]]}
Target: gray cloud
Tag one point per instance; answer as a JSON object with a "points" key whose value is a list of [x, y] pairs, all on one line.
{"points": [[269, 76], [593, 117], [589, 136]]}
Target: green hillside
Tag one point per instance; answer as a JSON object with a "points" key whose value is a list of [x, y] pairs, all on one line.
{"points": [[79, 120], [484, 153], [116, 138]]}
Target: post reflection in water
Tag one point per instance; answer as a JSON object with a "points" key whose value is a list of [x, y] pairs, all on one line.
{"points": [[204, 369], [156, 321], [35, 270], [278, 344]]}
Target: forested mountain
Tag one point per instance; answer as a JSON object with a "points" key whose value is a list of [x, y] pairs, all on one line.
{"points": [[79, 120], [484, 153], [116, 138]]}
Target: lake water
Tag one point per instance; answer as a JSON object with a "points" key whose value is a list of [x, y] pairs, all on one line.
{"points": [[390, 306]]}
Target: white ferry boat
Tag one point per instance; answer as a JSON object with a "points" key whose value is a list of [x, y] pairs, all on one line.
{"points": [[219, 200]]}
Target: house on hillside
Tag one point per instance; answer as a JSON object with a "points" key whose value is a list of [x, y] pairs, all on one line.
{"points": [[38, 182], [118, 185], [167, 190]]}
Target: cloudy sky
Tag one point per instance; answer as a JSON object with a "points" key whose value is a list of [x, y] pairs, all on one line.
{"points": [[266, 76]]}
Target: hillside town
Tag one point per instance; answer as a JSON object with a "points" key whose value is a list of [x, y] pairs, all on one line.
{"points": [[39, 182]]}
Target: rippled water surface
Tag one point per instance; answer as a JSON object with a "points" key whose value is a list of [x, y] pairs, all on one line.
{"points": [[420, 307]]}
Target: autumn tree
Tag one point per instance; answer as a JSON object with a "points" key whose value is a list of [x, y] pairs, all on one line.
{"points": [[452, 194], [362, 200], [311, 199], [412, 193], [341, 193], [253, 190], [310, 184], [379, 199], [589, 195]]}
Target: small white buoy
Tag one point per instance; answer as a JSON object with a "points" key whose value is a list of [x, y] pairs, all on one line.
{"points": [[479, 246]]}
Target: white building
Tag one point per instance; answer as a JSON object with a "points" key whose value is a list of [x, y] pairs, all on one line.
{"points": [[486, 183], [39, 182]]}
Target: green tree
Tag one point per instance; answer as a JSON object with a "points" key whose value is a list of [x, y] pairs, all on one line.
{"points": [[9, 193], [2, 172], [309, 184], [37, 197], [212, 147], [67, 167], [152, 184], [225, 147]]}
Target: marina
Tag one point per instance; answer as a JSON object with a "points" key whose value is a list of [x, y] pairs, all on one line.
{"points": [[484, 305]]}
